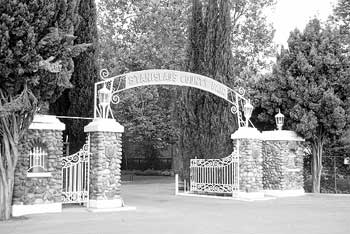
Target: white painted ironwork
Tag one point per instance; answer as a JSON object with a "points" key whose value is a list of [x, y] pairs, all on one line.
{"points": [[75, 175], [215, 175], [123, 82], [37, 159]]}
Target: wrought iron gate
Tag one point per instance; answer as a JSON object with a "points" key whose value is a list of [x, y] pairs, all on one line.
{"points": [[75, 175], [215, 175]]}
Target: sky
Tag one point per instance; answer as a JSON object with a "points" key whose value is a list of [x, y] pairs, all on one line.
{"points": [[290, 14]]}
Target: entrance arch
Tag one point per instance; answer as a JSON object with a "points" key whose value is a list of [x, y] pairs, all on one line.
{"points": [[107, 91], [106, 134]]}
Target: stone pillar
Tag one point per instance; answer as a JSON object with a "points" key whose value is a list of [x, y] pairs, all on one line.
{"points": [[250, 159], [105, 163], [283, 163], [38, 189]]}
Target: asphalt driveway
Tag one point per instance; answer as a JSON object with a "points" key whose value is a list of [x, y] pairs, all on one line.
{"points": [[159, 211]]}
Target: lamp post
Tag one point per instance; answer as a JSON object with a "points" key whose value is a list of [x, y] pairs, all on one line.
{"points": [[279, 120], [247, 109], [104, 97]]}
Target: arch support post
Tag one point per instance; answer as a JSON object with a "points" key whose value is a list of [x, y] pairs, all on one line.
{"points": [[249, 145], [105, 164]]}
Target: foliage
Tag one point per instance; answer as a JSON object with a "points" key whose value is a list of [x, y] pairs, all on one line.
{"points": [[35, 67], [341, 16], [309, 85], [139, 35], [145, 118], [252, 38], [78, 101]]}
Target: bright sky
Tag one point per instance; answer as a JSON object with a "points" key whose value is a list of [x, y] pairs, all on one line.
{"points": [[289, 14]]}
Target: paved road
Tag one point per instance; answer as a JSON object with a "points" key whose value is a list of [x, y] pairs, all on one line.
{"points": [[159, 211]]}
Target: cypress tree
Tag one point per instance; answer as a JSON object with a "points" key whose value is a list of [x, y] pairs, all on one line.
{"points": [[78, 101], [205, 120]]}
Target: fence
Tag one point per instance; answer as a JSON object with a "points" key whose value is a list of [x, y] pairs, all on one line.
{"points": [[144, 163], [215, 175], [335, 176]]}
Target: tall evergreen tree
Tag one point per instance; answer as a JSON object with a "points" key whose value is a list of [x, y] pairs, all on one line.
{"points": [[205, 121], [78, 101], [35, 67]]}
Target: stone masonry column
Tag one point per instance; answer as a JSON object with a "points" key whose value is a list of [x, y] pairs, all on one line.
{"points": [[250, 160], [38, 175], [105, 163], [282, 163]]}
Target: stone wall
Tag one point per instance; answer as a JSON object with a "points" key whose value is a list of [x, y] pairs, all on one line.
{"points": [[272, 166], [105, 162], [282, 165], [271, 160], [39, 190]]}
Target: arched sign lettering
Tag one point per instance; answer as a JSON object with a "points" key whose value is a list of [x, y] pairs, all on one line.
{"points": [[169, 77], [107, 90]]}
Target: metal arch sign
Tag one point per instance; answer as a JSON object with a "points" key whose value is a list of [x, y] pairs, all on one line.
{"points": [[179, 78], [115, 85]]}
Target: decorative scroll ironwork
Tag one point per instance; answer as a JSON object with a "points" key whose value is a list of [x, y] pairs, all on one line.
{"points": [[75, 175], [215, 175], [104, 73], [120, 83]]}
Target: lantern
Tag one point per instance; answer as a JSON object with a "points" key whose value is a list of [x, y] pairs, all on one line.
{"points": [[279, 120], [347, 161], [247, 109], [104, 97]]}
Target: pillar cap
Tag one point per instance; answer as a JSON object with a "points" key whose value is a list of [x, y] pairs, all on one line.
{"points": [[104, 125], [47, 122], [246, 133], [280, 135]]}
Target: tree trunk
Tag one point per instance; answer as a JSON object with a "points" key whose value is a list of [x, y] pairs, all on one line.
{"points": [[9, 143], [14, 122], [6, 190], [8, 161], [317, 149]]}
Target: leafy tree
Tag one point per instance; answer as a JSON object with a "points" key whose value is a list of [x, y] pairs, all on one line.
{"points": [[341, 15], [341, 18], [226, 39], [252, 39], [78, 101], [310, 85], [35, 67], [149, 122], [139, 35]]}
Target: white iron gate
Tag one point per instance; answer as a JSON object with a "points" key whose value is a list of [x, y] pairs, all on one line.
{"points": [[75, 175], [215, 175]]}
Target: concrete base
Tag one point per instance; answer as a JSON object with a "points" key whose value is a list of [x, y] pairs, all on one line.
{"points": [[241, 196], [108, 205], [124, 208], [280, 135], [285, 193], [49, 122], [19, 210], [246, 133], [251, 195], [104, 125]]}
